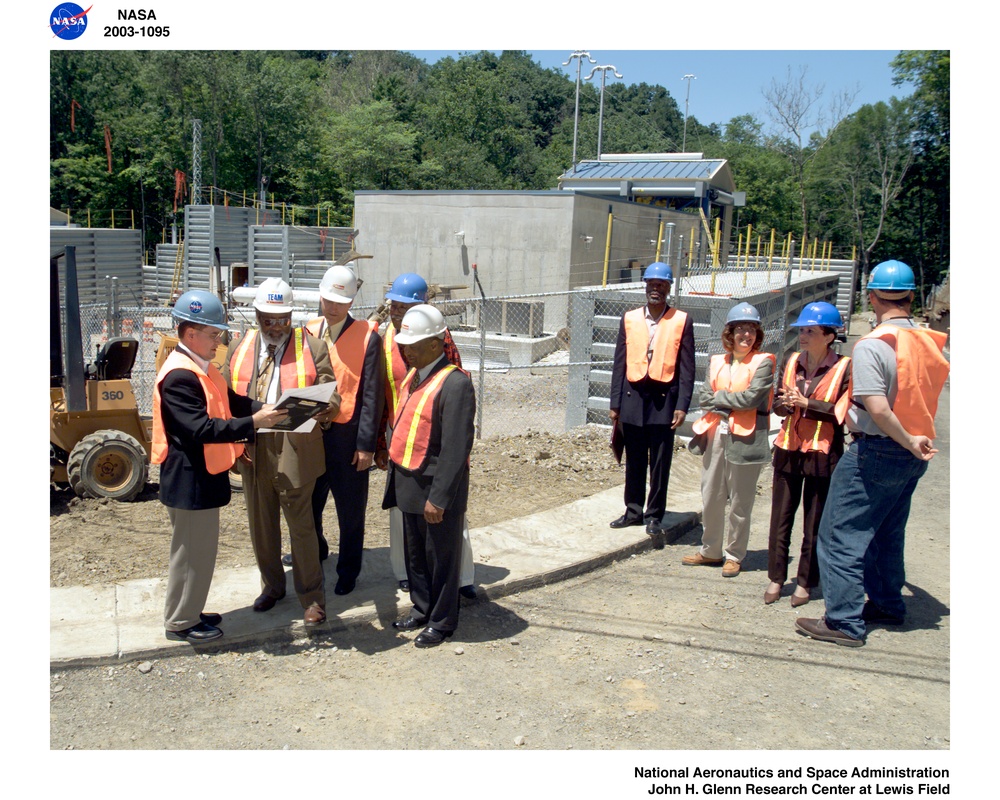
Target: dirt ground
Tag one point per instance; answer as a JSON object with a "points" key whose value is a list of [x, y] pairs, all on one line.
{"points": [[103, 541], [643, 655]]}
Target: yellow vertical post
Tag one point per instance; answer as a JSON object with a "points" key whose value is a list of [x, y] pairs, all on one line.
{"points": [[211, 195], [659, 240], [607, 250], [319, 212], [132, 214], [282, 213], [112, 219], [256, 210], [770, 257], [813, 256], [788, 266], [739, 249], [715, 253], [88, 217], [746, 260], [244, 198]]}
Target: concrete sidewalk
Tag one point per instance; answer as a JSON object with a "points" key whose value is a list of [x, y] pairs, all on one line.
{"points": [[106, 624]]}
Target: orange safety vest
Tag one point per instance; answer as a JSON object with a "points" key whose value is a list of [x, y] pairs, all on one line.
{"points": [[297, 370], [412, 428], [742, 421], [347, 357], [798, 433], [665, 347], [921, 370], [395, 370], [219, 456]]}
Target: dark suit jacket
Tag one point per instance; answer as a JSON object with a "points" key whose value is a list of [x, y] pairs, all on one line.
{"points": [[650, 402], [444, 480], [184, 480], [301, 457]]}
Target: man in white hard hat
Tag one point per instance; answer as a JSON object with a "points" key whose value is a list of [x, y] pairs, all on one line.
{"points": [[349, 441], [281, 469], [429, 473], [408, 290]]}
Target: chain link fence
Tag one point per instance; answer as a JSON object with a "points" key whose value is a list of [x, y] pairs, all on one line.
{"points": [[539, 362]]}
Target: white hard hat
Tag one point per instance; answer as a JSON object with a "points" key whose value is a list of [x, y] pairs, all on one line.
{"points": [[274, 296], [419, 323], [339, 285]]}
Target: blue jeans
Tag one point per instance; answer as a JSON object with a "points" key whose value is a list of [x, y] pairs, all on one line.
{"points": [[861, 533]]}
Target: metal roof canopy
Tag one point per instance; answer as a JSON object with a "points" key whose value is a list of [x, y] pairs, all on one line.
{"points": [[654, 175]]}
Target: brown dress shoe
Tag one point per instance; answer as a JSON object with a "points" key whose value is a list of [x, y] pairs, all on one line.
{"points": [[818, 629], [265, 602], [731, 568], [315, 615], [797, 601], [698, 560]]}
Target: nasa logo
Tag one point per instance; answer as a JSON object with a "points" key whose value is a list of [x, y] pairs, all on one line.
{"points": [[195, 307], [68, 21]]}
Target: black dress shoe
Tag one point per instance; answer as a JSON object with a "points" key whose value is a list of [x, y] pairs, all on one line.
{"points": [[211, 619], [624, 521], [286, 559], [468, 592], [265, 602], [653, 529], [408, 624], [430, 637], [197, 633], [874, 615], [404, 585], [344, 585]]}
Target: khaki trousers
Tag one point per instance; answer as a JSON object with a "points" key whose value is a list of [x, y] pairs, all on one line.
{"points": [[193, 548], [266, 502], [722, 481]]}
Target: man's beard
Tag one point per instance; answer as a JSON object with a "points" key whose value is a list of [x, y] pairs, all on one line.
{"points": [[271, 337]]}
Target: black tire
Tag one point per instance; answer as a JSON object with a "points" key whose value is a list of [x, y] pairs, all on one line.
{"points": [[108, 464], [235, 479]]}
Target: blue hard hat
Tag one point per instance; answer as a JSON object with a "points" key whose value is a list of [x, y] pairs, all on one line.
{"points": [[408, 288], [202, 307], [822, 314], [658, 271], [892, 276], [743, 312]]}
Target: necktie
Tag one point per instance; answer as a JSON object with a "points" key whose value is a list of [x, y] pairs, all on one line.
{"points": [[264, 378]]}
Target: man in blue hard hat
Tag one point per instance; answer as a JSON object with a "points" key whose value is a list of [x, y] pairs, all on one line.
{"points": [[199, 425], [897, 374], [651, 384]]}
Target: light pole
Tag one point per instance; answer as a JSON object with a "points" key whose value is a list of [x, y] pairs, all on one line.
{"points": [[578, 55], [687, 99], [600, 118]]}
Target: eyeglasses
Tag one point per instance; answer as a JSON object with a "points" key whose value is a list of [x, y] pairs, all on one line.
{"points": [[744, 329], [215, 336], [274, 322]]}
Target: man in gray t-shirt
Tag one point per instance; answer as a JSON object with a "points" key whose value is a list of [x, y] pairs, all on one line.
{"points": [[861, 534]]}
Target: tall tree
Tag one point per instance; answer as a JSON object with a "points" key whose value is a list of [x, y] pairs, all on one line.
{"points": [[803, 125]]}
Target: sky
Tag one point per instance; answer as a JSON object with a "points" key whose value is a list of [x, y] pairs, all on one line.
{"points": [[727, 83]]}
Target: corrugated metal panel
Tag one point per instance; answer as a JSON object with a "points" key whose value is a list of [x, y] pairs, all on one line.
{"points": [[207, 228], [299, 255], [101, 252]]}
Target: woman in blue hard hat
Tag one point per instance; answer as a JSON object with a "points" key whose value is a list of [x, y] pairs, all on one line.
{"points": [[731, 437], [807, 448]]}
